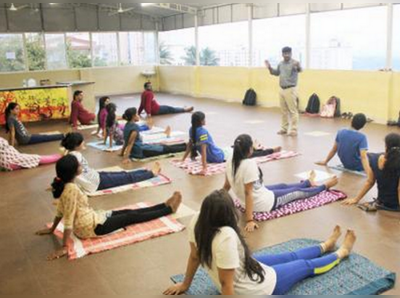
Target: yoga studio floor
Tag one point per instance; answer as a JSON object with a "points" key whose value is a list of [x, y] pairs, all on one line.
{"points": [[145, 268]]}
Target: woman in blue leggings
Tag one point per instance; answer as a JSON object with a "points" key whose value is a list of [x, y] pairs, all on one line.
{"points": [[218, 246]]}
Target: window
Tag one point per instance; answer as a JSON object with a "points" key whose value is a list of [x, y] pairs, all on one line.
{"points": [[349, 39], [150, 53], [55, 51], [137, 48], [396, 37], [224, 45], [35, 51], [271, 35], [105, 49], [173, 46], [79, 50], [131, 47], [11, 52]]}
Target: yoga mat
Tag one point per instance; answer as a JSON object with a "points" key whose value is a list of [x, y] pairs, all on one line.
{"points": [[149, 159], [343, 169], [195, 167], [84, 127], [319, 200], [132, 234], [49, 133], [317, 134], [354, 276], [156, 181], [184, 211], [99, 145]]}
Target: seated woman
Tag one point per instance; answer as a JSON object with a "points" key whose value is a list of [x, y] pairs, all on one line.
{"points": [[383, 169], [246, 180], [218, 246], [134, 146], [78, 113], [17, 130], [84, 222], [201, 141], [91, 180], [11, 159]]}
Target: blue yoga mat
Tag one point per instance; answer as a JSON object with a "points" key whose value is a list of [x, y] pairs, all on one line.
{"points": [[354, 276]]}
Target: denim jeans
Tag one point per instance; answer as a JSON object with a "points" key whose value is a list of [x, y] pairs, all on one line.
{"points": [[169, 110]]}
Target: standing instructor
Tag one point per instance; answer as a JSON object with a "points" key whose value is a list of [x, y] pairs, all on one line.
{"points": [[288, 71]]}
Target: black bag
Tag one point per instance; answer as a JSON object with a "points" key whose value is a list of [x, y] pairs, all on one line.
{"points": [[250, 98], [338, 112], [313, 105]]}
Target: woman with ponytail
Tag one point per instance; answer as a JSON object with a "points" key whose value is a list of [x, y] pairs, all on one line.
{"points": [[91, 180], [384, 170], [218, 246], [81, 220], [134, 146], [246, 180], [102, 116], [17, 130], [201, 141], [113, 130]]}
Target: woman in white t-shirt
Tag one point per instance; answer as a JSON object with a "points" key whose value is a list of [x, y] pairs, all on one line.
{"points": [[245, 178], [217, 245], [91, 180]]}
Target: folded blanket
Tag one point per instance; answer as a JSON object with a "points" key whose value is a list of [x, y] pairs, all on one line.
{"points": [[99, 145], [319, 200], [354, 276], [132, 234], [195, 167]]}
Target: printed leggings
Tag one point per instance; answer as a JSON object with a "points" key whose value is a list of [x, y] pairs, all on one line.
{"points": [[293, 267], [286, 193], [123, 218]]}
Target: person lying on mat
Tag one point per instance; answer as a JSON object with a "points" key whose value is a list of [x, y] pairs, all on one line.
{"points": [[383, 169], [78, 113], [84, 222], [202, 141], [11, 159], [351, 146], [245, 178], [91, 180], [134, 146], [218, 246], [152, 107], [18, 132]]}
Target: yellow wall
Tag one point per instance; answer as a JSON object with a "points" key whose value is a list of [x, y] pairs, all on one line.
{"points": [[375, 93], [108, 81]]}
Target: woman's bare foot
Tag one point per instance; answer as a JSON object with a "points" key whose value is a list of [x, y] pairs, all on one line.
{"points": [[150, 123], [331, 182], [175, 201], [189, 110], [277, 149], [168, 131], [347, 246], [156, 169], [312, 177], [330, 243]]}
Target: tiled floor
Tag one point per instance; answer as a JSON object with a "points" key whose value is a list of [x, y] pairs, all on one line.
{"points": [[146, 267]]}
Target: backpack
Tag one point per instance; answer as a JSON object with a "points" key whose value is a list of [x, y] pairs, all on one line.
{"points": [[250, 98], [331, 109], [313, 105]]}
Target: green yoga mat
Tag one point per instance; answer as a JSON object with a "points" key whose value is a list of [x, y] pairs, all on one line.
{"points": [[354, 276]]}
